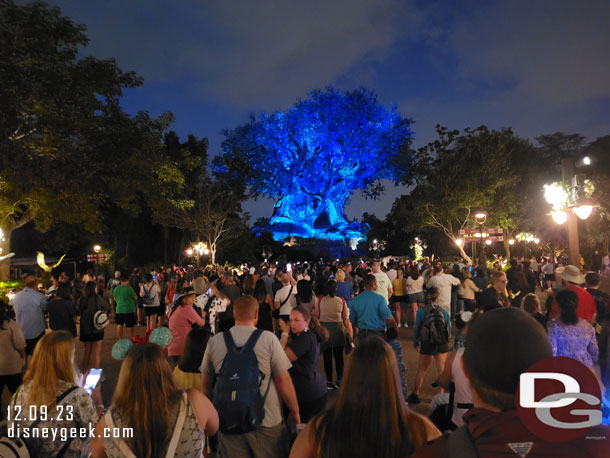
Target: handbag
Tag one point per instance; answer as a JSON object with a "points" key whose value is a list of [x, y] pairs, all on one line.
{"points": [[100, 318]]}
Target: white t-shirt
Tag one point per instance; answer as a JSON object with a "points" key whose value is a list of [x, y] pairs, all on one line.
{"points": [[415, 286], [548, 269], [281, 296], [153, 292], [391, 274], [443, 282], [383, 284], [272, 360]]}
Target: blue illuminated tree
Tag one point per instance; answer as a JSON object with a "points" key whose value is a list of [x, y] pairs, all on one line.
{"points": [[312, 156]]}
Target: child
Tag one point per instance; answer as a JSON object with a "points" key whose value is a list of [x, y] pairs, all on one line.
{"points": [[460, 323], [186, 373]]}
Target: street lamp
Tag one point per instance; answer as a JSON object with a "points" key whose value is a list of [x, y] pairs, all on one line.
{"points": [[570, 199], [96, 249], [480, 216]]}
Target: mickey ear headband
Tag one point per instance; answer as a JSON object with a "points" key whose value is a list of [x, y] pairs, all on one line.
{"points": [[159, 336]]}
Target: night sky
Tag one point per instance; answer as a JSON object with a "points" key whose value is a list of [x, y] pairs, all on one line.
{"points": [[536, 66]]}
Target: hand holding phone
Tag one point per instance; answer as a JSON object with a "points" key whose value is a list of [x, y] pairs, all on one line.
{"points": [[92, 380]]}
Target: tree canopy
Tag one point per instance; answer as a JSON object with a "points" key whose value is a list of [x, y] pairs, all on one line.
{"points": [[312, 156]]}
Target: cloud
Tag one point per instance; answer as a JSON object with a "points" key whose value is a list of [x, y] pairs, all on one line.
{"points": [[246, 52], [555, 52]]}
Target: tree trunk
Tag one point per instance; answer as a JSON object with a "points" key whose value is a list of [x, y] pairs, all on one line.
{"points": [[507, 248], [461, 250], [5, 265]]}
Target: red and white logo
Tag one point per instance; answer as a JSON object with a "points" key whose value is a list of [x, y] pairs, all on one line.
{"points": [[559, 399]]}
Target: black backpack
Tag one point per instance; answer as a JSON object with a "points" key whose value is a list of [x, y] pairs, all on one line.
{"points": [[434, 328], [148, 299], [237, 396]]}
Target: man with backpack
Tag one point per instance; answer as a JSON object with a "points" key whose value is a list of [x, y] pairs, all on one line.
{"points": [[246, 369], [431, 338]]}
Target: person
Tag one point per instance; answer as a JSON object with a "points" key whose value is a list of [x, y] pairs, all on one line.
{"points": [[370, 417], [461, 320], [186, 373], [62, 311], [601, 299], [384, 284], [273, 364], [232, 291], [212, 306], [531, 304], [285, 298], [467, 291], [548, 271], [454, 378], [344, 288], [153, 413], [571, 279], [443, 283], [370, 313], [172, 289], [493, 427], [126, 301], [495, 296], [200, 285], [91, 337], [399, 299], [570, 335], [333, 314], [30, 305], [431, 338], [264, 300], [305, 295], [12, 356], [50, 381], [181, 320], [415, 291], [150, 294], [113, 283], [301, 342]]}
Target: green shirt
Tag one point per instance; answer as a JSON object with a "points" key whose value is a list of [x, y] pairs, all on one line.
{"points": [[124, 296]]}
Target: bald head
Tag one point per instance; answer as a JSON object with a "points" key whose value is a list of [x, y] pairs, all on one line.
{"points": [[376, 267], [285, 279]]}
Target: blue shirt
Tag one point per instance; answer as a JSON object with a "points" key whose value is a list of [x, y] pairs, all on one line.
{"points": [[345, 290], [419, 319], [30, 307], [369, 310]]}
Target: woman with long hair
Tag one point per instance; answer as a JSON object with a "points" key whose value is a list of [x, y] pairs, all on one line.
{"points": [[415, 290], [187, 373], [91, 337], [62, 310], [572, 336], [12, 356], [370, 417], [147, 400], [302, 346], [265, 321], [51, 390], [333, 314], [305, 295]]}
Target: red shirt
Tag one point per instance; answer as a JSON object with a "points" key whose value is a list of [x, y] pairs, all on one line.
{"points": [[586, 304]]}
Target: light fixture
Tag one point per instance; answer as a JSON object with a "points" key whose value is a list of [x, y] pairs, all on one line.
{"points": [[189, 252], [511, 242], [559, 216], [586, 160], [583, 211], [488, 242], [536, 240], [555, 195], [480, 216], [459, 242], [97, 248]]}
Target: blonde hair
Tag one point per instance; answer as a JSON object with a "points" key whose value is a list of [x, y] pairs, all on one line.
{"points": [[52, 362], [144, 392], [340, 275]]}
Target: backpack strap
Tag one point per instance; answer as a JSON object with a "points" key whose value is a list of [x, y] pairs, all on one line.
{"points": [[123, 447], [173, 443], [460, 444]]}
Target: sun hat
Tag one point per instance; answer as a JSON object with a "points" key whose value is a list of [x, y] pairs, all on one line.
{"points": [[571, 274], [188, 291]]}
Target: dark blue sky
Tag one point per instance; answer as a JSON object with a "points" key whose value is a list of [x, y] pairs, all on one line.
{"points": [[538, 67]]}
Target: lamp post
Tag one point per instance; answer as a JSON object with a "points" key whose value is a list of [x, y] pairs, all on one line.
{"points": [[480, 216], [96, 250], [569, 204]]}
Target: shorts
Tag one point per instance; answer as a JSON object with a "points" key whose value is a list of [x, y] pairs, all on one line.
{"points": [[125, 319], [549, 277], [398, 299], [151, 310], [416, 297], [427, 349]]}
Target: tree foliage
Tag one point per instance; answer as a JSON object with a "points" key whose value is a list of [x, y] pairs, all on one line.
{"points": [[313, 155]]}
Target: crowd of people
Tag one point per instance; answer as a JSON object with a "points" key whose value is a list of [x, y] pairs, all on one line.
{"points": [[240, 374]]}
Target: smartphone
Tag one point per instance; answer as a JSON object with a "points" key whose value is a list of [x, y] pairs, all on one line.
{"points": [[154, 278], [288, 267], [93, 378], [208, 292]]}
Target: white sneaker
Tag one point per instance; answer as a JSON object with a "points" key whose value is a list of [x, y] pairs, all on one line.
{"points": [[399, 325]]}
